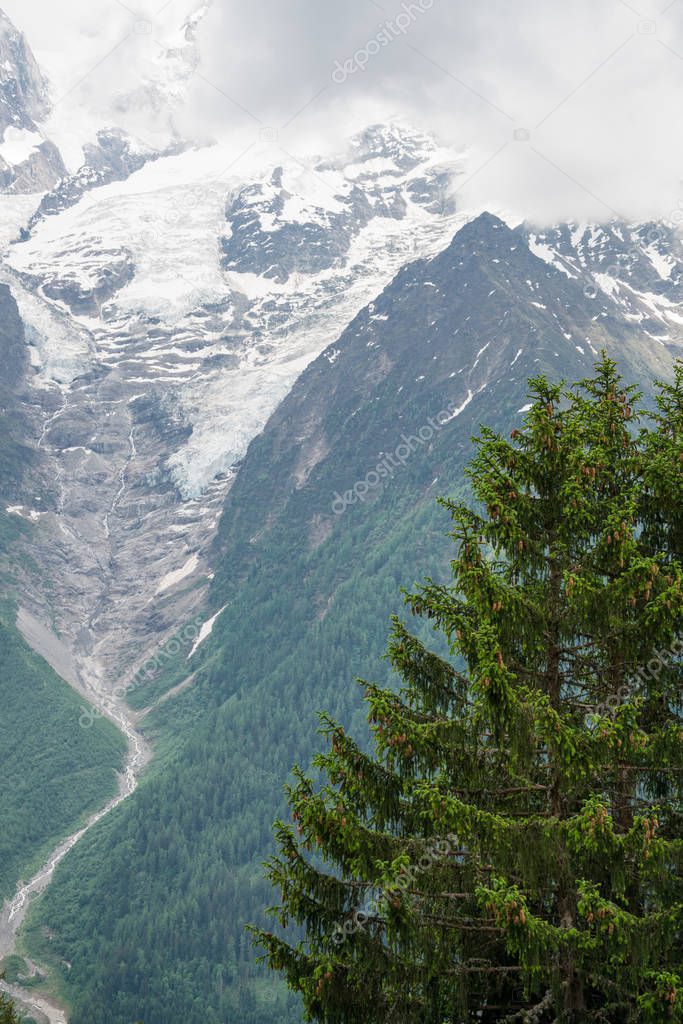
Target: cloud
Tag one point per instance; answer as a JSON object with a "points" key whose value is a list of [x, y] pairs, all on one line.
{"points": [[109, 62], [568, 110]]}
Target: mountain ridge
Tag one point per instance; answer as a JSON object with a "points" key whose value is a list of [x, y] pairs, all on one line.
{"points": [[238, 395]]}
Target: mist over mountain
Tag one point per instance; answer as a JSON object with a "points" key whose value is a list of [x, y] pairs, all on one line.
{"points": [[566, 112]]}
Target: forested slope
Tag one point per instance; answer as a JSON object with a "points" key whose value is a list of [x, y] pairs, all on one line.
{"points": [[54, 773], [150, 908]]}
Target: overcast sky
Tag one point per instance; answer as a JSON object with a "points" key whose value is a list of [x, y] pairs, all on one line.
{"points": [[566, 109]]}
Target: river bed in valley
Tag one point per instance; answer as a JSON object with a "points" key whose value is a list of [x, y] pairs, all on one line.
{"points": [[13, 912]]}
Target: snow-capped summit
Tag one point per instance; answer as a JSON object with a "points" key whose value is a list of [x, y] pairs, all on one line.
{"points": [[400, 146], [294, 223], [633, 269]]}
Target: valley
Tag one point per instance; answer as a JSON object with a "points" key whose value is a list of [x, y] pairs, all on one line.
{"points": [[210, 367], [371, 388]]}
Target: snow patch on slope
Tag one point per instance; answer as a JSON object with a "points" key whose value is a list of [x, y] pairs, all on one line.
{"points": [[18, 144], [172, 579], [205, 630]]}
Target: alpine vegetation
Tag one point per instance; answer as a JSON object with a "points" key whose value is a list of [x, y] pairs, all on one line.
{"points": [[558, 894]]}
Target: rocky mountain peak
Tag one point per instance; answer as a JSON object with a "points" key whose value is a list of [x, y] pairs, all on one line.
{"points": [[28, 161], [484, 232], [23, 89], [406, 147], [292, 223]]}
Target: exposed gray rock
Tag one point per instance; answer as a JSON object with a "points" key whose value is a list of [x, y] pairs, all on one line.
{"points": [[296, 246], [37, 173], [263, 239], [87, 300], [114, 157], [23, 89], [636, 269], [24, 105]]}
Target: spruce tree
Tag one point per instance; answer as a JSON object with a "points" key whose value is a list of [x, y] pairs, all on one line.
{"points": [[7, 1012], [513, 850], [663, 471]]}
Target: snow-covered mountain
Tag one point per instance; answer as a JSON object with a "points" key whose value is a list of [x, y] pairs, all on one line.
{"points": [[29, 162], [137, 125], [171, 296], [219, 291], [637, 268], [167, 314]]}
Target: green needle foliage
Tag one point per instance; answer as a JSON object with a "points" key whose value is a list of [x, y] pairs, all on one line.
{"points": [[7, 1014], [513, 850]]}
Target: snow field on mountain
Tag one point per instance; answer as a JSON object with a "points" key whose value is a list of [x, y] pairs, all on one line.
{"points": [[173, 325]]}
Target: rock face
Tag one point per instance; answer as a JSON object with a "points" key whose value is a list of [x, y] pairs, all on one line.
{"points": [[631, 270], [87, 299], [38, 171], [23, 90], [264, 241], [16, 455], [451, 341], [113, 157], [271, 234], [169, 310], [28, 161], [155, 365]]}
